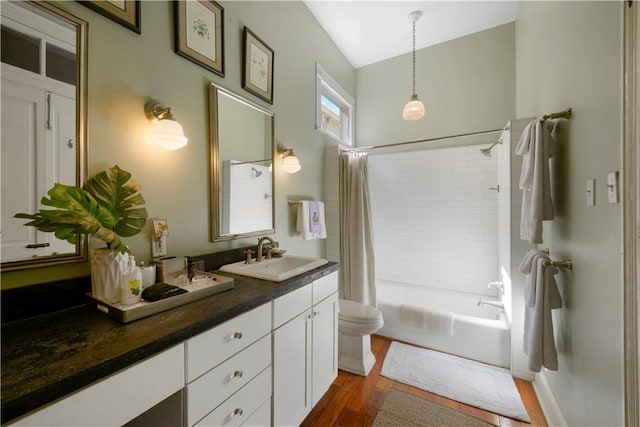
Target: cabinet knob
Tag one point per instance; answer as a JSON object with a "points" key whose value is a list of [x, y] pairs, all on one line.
{"points": [[316, 313], [237, 374], [237, 335], [238, 412]]}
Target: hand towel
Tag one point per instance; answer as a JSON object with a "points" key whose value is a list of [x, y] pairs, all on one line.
{"points": [[537, 146], [543, 296], [303, 224], [437, 322], [314, 217]]}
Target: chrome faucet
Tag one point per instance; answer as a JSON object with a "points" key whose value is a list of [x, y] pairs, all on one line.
{"points": [[259, 249]]}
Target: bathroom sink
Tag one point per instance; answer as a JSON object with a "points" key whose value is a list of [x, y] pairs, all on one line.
{"points": [[275, 269]]}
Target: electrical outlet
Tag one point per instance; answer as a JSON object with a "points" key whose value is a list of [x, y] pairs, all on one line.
{"points": [[158, 246], [612, 187], [591, 192]]}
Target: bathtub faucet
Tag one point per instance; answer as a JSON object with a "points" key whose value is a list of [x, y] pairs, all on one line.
{"points": [[499, 287], [498, 304]]}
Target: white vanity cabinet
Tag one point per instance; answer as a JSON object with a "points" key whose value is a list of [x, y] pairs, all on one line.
{"points": [[305, 348], [228, 370], [119, 398], [267, 366], [324, 335]]}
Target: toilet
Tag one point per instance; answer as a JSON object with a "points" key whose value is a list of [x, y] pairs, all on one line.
{"points": [[356, 322]]}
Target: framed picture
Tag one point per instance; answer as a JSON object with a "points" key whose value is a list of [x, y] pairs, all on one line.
{"points": [[124, 12], [199, 33], [257, 67]]}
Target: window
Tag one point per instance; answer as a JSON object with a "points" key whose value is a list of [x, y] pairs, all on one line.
{"points": [[334, 108]]}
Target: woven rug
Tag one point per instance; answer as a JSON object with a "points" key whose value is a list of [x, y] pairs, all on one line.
{"points": [[477, 384], [402, 409]]}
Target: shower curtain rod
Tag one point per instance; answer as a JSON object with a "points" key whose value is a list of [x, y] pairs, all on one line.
{"points": [[396, 144], [251, 161], [566, 114]]}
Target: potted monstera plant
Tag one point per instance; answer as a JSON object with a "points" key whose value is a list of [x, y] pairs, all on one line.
{"points": [[108, 207]]}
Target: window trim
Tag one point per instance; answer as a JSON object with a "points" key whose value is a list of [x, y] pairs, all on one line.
{"points": [[327, 86]]}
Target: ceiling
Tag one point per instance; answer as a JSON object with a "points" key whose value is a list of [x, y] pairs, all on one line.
{"points": [[371, 31]]}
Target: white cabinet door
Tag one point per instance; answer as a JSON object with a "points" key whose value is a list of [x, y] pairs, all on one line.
{"points": [[23, 172], [60, 153], [291, 364], [38, 150], [325, 346]]}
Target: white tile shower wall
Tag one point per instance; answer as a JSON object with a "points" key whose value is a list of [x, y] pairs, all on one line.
{"points": [[503, 154], [435, 218], [246, 189]]}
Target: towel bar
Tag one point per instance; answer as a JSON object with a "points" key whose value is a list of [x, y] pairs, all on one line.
{"points": [[566, 114], [294, 202], [568, 264]]}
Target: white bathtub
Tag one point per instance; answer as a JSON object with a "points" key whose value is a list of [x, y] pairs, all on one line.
{"points": [[479, 332]]}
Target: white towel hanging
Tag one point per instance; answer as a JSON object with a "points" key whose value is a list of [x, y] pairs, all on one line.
{"points": [[311, 221], [537, 146]]}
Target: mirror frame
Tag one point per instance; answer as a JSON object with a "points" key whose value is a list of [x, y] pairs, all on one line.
{"points": [[214, 166], [81, 137]]}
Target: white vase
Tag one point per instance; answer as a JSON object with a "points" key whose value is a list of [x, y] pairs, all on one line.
{"points": [[107, 269]]}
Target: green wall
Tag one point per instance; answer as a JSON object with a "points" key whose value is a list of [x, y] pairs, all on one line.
{"points": [[126, 68], [568, 54], [467, 85]]}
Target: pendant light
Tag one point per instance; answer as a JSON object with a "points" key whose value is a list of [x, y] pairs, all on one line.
{"points": [[414, 110]]}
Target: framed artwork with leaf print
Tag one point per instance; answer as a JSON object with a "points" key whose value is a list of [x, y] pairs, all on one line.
{"points": [[124, 12], [199, 30], [257, 68]]}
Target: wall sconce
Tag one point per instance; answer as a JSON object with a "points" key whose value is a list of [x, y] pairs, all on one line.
{"points": [[168, 132], [291, 163]]}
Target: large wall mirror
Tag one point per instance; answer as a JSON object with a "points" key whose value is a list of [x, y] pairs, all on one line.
{"points": [[241, 167], [44, 72]]}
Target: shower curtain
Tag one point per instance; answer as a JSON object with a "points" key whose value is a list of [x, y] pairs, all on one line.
{"points": [[357, 261]]}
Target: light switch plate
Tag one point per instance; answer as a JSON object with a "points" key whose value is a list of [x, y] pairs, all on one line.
{"points": [[612, 187], [591, 192]]}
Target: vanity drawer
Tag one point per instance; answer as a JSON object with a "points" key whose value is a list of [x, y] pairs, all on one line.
{"points": [[290, 305], [325, 286], [211, 389], [240, 407], [262, 416], [210, 348]]}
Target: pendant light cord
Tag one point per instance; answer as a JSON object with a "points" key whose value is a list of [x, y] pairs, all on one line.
{"points": [[414, 58]]}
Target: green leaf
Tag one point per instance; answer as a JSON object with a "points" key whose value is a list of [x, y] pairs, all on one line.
{"points": [[115, 189], [108, 206], [78, 213]]}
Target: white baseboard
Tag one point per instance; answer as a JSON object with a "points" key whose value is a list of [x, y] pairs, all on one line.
{"points": [[548, 402], [523, 375]]}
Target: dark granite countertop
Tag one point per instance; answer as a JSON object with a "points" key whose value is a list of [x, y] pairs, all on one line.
{"points": [[49, 356]]}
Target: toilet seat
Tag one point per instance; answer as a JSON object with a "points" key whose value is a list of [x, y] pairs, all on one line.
{"points": [[355, 312]]}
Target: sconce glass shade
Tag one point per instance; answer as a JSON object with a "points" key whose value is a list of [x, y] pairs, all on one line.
{"points": [[169, 134], [291, 164], [414, 110]]}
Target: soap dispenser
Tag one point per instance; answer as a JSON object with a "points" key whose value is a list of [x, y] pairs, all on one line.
{"points": [[131, 286]]}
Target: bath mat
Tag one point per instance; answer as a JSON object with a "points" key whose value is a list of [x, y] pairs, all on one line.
{"points": [[477, 384], [402, 409]]}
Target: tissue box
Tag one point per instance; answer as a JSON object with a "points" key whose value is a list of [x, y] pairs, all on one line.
{"points": [[172, 270]]}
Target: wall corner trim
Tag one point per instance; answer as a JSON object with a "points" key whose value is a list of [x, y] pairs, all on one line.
{"points": [[548, 402]]}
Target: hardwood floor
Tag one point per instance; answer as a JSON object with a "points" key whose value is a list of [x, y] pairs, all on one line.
{"points": [[353, 400]]}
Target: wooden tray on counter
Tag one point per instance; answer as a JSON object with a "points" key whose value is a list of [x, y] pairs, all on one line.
{"points": [[197, 289]]}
